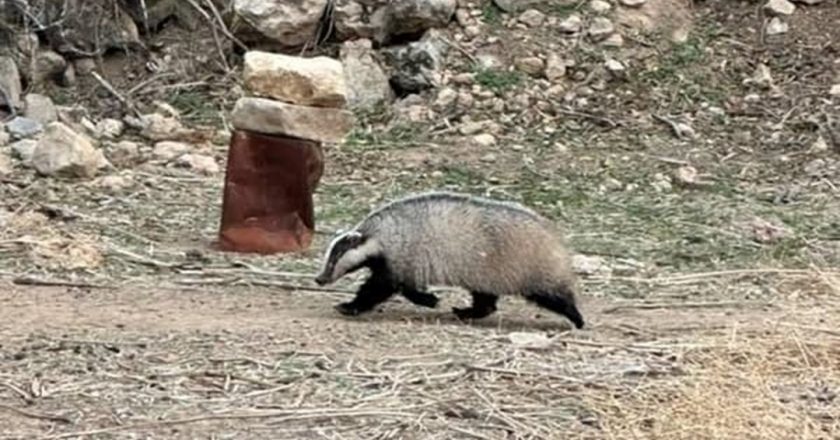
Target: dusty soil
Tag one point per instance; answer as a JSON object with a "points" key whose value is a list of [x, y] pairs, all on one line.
{"points": [[249, 363]]}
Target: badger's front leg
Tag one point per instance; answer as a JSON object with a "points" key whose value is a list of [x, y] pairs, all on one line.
{"points": [[374, 291]]}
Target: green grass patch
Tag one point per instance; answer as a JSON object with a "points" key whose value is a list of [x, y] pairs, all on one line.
{"points": [[498, 80]]}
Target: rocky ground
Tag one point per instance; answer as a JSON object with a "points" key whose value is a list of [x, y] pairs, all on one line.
{"points": [[692, 153]]}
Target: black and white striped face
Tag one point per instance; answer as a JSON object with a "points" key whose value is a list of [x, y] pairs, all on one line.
{"points": [[343, 255]]}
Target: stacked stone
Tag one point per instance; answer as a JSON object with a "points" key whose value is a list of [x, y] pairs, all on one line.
{"points": [[293, 106]]}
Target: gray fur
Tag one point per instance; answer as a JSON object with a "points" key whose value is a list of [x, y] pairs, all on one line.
{"points": [[450, 239]]}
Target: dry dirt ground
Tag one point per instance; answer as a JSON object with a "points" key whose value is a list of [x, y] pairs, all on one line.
{"points": [[713, 312]]}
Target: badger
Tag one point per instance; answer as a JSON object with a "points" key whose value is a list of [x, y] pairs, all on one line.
{"points": [[488, 247]]}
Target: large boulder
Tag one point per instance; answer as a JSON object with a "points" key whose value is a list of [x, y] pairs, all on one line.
{"points": [[63, 152], [267, 116], [40, 108], [10, 86], [367, 84], [416, 66], [288, 22], [317, 81], [381, 20]]}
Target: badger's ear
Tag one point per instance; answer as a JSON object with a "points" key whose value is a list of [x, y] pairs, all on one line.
{"points": [[356, 238]]}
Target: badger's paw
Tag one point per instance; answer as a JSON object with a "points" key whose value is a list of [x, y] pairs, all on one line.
{"points": [[348, 309]]}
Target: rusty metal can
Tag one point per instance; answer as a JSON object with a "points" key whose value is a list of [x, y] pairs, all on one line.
{"points": [[267, 204]]}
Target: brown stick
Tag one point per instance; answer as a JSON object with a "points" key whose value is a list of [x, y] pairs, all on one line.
{"points": [[32, 415]]}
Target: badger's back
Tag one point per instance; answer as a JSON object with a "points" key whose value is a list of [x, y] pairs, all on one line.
{"points": [[484, 245]]}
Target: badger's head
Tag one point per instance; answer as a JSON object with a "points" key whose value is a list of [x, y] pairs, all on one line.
{"points": [[348, 252]]}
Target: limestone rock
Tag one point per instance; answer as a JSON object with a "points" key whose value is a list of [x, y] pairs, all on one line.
{"points": [[779, 7], [532, 18], [5, 164], [834, 90], [157, 127], [114, 183], [9, 83], [200, 163], [169, 150], [571, 24], [123, 153], [669, 17], [316, 82], [555, 67], [600, 6], [109, 128], [416, 66], [290, 23], [320, 124], [383, 20], [24, 149], [61, 151], [533, 66], [49, 65], [484, 140], [40, 108], [776, 26], [601, 28], [22, 128], [632, 3], [366, 82]]}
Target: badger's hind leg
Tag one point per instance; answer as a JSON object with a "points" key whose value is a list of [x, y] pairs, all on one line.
{"points": [[560, 301], [374, 291], [483, 305], [419, 297]]}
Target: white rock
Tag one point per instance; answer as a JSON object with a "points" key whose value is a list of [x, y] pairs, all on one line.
{"points": [[600, 6], [779, 7], [21, 127], [531, 340], [24, 149], [489, 158], [471, 128], [366, 82], [317, 81], [109, 128], [764, 231], [633, 3], [819, 145], [5, 164], [168, 150], [686, 175], [571, 24], [834, 90], [776, 26], [61, 151], [614, 66], [446, 98], [157, 127], [48, 65], [288, 22], [39, 108], [532, 66], [601, 28], [115, 183], [320, 124], [199, 162], [124, 152], [808, 2], [484, 140], [614, 40], [589, 265], [532, 18], [555, 67], [10, 81]]}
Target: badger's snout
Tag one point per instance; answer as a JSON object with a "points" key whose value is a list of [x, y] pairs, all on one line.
{"points": [[322, 279]]}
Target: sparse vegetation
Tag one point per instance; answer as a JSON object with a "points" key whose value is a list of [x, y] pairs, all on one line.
{"points": [[712, 296]]}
